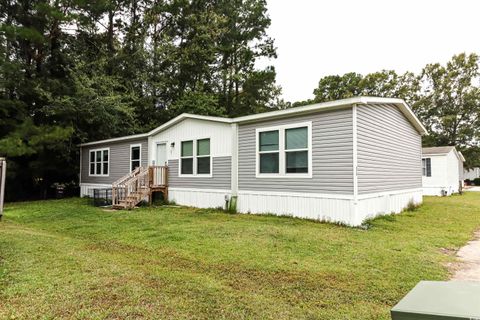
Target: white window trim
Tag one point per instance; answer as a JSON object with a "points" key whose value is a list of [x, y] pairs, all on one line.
{"points": [[140, 155], [90, 162], [194, 156], [426, 170], [282, 151]]}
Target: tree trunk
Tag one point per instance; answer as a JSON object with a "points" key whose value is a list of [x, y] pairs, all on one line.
{"points": [[110, 35]]}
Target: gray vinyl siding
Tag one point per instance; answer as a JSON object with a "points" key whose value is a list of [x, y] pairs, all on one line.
{"points": [[389, 150], [332, 155], [119, 160], [221, 169]]}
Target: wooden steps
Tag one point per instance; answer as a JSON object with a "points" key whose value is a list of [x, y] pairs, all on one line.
{"points": [[138, 185], [130, 201]]}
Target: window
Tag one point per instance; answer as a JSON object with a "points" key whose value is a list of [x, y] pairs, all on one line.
{"points": [[99, 162], [195, 157], [427, 167], [269, 152], [203, 156], [135, 156], [296, 146], [284, 151], [187, 157]]}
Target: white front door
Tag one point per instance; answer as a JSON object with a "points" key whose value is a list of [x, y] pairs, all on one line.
{"points": [[161, 154]]}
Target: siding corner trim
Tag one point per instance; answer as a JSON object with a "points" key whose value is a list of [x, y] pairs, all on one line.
{"points": [[355, 153]]}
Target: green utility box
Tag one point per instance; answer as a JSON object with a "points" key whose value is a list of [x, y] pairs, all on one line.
{"points": [[439, 300]]}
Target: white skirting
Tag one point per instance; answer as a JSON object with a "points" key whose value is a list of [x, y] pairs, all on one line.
{"points": [[86, 189], [437, 191], [332, 208], [373, 205], [200, 198], [324, 207]]}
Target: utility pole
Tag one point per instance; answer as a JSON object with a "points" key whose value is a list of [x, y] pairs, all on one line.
{"points": [[3, 172]]}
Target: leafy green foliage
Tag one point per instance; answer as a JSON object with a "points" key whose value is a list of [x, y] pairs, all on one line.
{"points": [[445, 98], [385, 83], [198, 103], [450, 107], [76, 71]]}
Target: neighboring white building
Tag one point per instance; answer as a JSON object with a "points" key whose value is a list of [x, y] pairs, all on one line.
{"points": [[442, 171], [471, 173]]}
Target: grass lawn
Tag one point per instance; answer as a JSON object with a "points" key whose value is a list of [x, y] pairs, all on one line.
{"points": [[66, 259]]}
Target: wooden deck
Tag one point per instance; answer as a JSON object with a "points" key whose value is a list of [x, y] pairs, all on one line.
{"points": [[139, 184]]}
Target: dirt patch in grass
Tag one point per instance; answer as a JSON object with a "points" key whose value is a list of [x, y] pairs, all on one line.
{"points": [[467, 268]]}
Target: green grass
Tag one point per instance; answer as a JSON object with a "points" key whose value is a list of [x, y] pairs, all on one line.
{"points": [[65, 259]]}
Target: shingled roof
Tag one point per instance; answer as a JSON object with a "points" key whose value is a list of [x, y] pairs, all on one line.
{"points": [[437, 150]]}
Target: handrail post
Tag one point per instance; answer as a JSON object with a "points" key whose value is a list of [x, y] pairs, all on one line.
{"points": [[150, 176], [166, 176]]}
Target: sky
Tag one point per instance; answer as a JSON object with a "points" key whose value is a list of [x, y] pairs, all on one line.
{"points": [[315, 38]]}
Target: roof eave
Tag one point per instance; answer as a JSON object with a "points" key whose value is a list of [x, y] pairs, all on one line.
{"points": [[164, 126], [435, 154], [125, 138], [184, 116], [324, 106], [407, 111]]}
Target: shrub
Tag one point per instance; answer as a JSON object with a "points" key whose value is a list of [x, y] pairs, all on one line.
{"points": [[412, 206], [476, 181]]}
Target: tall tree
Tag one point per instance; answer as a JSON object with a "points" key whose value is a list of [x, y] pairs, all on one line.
{"points": [[74, 71], [35, 70], [446, 98], [243, 42], [385, 83], [450, 105]]}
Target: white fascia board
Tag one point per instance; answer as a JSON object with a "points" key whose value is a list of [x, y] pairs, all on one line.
{"points": [[125, 138], [457, 154], [404, 108], [407, 111], [300, 110], [160, 128], [434, 154], [184, 116]]}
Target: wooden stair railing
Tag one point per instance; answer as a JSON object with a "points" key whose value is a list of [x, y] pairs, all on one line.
{"points": [[118, 187], [132, 188]]}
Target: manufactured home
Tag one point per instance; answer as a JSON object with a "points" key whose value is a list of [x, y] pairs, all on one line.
{"points": [[471, 174], [342, 161], [442, 171]]}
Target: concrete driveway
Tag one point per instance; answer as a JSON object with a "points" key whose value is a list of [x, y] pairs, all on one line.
{"points": [[476, 188]]}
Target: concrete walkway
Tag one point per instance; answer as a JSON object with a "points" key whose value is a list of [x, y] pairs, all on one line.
{"points": [[469, 267], [476, 188]]}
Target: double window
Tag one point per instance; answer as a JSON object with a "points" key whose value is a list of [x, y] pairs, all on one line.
{"points": [[427, 167], [284, 151], [135, 156], [99, 162], [195, 157]]}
